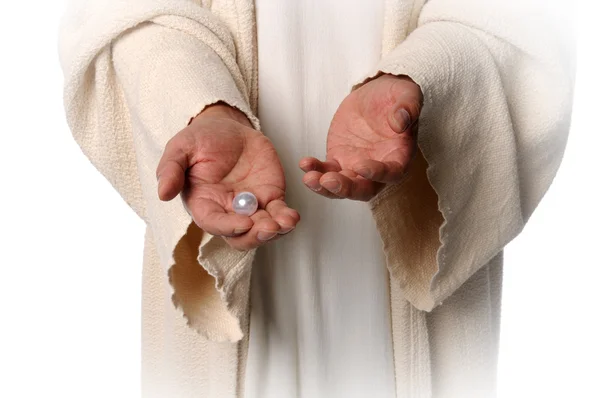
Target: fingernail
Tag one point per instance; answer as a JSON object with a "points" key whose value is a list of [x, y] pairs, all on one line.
{"points": [[286, 230], [332, 185], [313, 185], [366, 173], [159, 189], [239, 231], [266, 235], [403, 118], [306, 165]]}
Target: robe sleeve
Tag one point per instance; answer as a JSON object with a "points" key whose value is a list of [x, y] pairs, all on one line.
{"points": [[135, 73], [497, 78]]}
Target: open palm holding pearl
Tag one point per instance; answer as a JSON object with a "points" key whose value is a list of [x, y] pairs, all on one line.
{"points": [[218, 156], [371, 140]]}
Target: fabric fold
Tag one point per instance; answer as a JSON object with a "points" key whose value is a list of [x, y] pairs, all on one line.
{"points": [[128, 90], [497, 102]]}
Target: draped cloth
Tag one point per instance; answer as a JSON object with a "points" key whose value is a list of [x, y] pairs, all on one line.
{"points": [[497, 78]]}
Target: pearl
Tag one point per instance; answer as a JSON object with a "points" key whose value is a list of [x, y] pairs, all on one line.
{"points": [[245, 203]]}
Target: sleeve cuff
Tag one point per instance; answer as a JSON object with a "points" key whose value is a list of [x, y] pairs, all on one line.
{"points": [[460, 202], [214, 298], [168, 77]]}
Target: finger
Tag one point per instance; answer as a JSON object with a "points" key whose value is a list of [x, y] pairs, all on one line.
{"points": [[406, 111], [264, 230], [346, 185], [309, 164], [212, 218], [264, 194], [374, 170], [171, 169], [284, 216], [311, 180]]}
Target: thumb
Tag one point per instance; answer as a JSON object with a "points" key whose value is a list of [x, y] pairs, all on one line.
{"points": [[171, 169], [404, 114]]}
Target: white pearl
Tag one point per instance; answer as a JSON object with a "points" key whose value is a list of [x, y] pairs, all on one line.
{"points": [[245, 203]]}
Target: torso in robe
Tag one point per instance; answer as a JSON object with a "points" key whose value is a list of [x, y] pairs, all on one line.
{"points": [[320, 322]]}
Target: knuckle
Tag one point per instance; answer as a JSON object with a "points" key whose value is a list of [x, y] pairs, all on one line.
{"points": [[171, 144], [180, 143], [295, 215]]}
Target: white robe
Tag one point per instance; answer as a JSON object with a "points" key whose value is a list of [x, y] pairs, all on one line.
{"points": [[320, 324], [497, 84]]}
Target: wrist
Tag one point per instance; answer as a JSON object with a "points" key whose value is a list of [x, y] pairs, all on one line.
{"points": [[222, 110]]}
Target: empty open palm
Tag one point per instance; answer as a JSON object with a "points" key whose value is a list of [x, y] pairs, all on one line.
{"points": [[371, 140]]}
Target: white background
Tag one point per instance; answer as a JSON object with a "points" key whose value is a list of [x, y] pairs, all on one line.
{"points": [[71, 249]]}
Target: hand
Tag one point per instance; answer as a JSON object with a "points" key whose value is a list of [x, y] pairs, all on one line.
{"points": [[213, 159], [371, 140]]}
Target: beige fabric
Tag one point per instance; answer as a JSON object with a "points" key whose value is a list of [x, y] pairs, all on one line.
{"points": [[497, 85], [493, 131], [190, 369], [122, 128], [115, 100]]}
